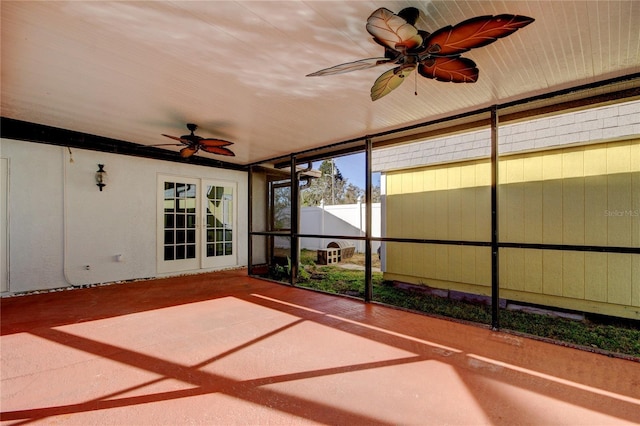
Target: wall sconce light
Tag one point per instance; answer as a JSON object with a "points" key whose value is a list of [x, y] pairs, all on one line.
{"points": [[101, 177]]}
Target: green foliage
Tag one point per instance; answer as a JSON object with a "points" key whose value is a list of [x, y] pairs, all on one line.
{"points": [[432, 304], [283, 272], [622, 338], [331, 187], [340, 281], [328, 187], [278, 272], [307, 257], [334, 188]]}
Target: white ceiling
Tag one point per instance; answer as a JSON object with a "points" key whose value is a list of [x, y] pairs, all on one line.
{"points": [[132, 70]]}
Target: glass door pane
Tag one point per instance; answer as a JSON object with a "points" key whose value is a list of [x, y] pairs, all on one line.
{"points": [[180, 221], [219, 224], [178, 236]]}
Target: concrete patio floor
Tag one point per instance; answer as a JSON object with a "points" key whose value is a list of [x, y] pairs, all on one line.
{"points": [[225, 349]]}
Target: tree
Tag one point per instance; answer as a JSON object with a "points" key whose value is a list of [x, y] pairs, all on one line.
{"points": [[376, 194], [328, 187], [352, 193], [333, 188]]}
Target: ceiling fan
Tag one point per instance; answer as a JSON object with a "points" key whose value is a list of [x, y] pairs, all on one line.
{"points": [[193, 143], [435, 55]]}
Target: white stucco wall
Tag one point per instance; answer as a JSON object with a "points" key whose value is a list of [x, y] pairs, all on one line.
{"points": [[59, 221]]}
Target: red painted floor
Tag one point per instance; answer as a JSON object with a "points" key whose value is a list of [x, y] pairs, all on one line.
{"points": [[225, 349]]}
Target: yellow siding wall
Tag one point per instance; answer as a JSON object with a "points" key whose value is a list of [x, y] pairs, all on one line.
{"points": [[587, 195]]}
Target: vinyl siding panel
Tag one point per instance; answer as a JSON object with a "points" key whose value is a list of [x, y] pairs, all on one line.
{"points": [[635, 281], [587, 195], [619, 278], [595, 277], [619, 196], [533, 271]]}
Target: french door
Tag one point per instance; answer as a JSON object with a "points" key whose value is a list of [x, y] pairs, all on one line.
{"points": [[196, 224], [219, 231]]}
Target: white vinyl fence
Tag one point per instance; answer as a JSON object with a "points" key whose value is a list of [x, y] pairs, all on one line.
{"points": [[344, 219]]}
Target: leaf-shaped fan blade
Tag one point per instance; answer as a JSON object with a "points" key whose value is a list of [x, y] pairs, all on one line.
{"points": [[220, 150], [188, 151], [362, 64], [184, 141], [409, 14], [389, 81], [213, 142], [393, 31], [476, 32], [389, 54], [456, 70]]}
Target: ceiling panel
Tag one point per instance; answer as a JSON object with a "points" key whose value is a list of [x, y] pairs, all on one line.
{"points": [[134, 70]]}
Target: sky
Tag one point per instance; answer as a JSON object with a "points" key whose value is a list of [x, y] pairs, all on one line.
{"points": [[352, 169]]}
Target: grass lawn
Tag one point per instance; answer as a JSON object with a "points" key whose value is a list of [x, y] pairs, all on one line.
{"points": [[605, 333]]}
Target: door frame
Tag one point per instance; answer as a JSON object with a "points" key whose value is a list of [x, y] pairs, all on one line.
{"points": [[201, 261], [218, 261]]}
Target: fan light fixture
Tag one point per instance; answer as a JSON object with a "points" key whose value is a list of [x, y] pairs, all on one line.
{"points": [[101, 177]]}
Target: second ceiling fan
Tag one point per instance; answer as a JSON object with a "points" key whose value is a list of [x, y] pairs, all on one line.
{"points": [[193, 143]]}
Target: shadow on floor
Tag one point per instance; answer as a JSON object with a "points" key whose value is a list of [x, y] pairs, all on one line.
{"points": [[224, 348]]}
